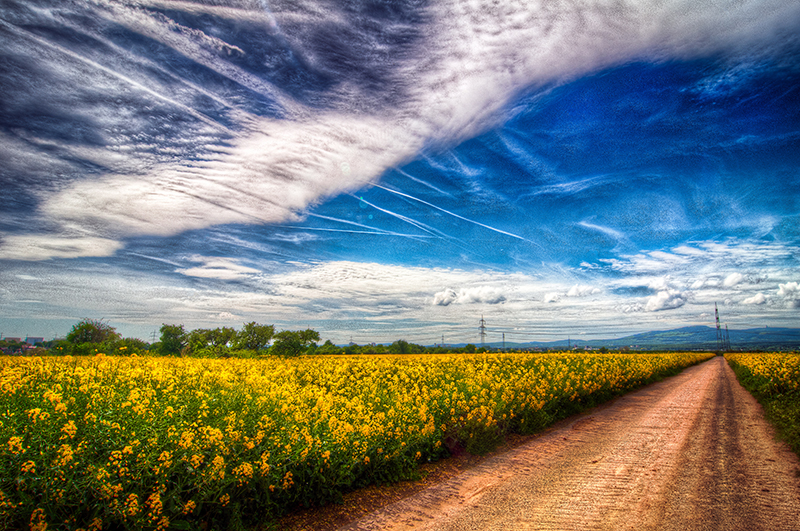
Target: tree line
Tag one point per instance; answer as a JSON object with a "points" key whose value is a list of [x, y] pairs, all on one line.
{"points": [[94, 336]]}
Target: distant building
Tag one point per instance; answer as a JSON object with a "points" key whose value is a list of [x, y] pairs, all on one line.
{"points": [[13, 339], [33, 340]]}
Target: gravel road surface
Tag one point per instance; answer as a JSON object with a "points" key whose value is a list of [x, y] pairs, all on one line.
{"points": [[690, 453]]}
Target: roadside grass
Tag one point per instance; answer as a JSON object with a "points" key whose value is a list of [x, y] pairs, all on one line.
{"points": [[774, 380]]}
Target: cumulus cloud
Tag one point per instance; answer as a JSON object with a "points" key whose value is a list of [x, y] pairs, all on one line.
{"points": [[476, 295], [789, 290], [551, 297], [445, 298], [658, 284], [579, 290], [732, 279], [665, 300], [790, 293], [758, 298]]}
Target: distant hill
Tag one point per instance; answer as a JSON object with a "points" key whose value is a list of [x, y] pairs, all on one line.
{"points": [[690, 337]]}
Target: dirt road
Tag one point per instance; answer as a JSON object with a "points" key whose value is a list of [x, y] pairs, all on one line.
{"points": [[690, 453]]}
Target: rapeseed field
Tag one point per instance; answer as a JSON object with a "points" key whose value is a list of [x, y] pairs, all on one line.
{"points": [[154, 443], [774, 379]]}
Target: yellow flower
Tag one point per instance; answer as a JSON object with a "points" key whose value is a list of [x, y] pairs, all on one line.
{"points": [[28, 467], [132, 505], [38, 522], [224, 500], [15, 445], [154, 502], [243, 473], [189, 507], [69, 430], [65, 454]]}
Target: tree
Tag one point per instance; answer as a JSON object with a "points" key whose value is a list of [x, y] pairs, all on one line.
{"points": [[173, 339], [220, 337], [254, 336], [329, 348], [210, 342], [125, 346], [92, 331], [400, 346], [293, 343], [198, 339]]}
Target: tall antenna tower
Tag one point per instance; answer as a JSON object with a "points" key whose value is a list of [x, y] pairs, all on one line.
{"points": [[482, 328], [719, 330]]}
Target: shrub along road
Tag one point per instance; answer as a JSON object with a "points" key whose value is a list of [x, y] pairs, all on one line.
{"points": [[689, 453]]}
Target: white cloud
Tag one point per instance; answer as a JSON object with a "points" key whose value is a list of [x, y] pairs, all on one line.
{"points": [[445, 298], [470, 63], [552, 297], [774, 262], [658, 284], [35, 247], [665, 300], [480, 294], [732, 279], [687, 250], [217, 267], [582, 291], [615, 234], [630, 308], [758, 298], [790, 292]]}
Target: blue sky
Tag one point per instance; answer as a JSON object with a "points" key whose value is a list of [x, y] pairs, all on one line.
{"points": [[388, 170]]}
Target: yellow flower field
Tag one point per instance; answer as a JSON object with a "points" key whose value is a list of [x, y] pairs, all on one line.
{"points": [[157, 443], [774, 379], [771, 373]]}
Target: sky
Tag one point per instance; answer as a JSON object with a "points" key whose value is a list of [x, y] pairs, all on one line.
{"points": [[384, 170]]}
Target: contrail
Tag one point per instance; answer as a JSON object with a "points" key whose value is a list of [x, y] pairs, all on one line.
{"points": [[374, 230], [418, 224], [424, 183], [453, 213]]}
